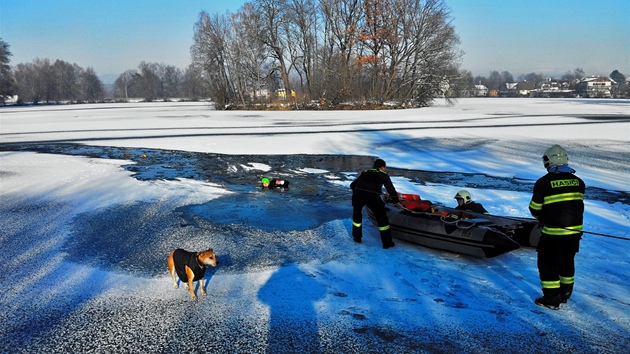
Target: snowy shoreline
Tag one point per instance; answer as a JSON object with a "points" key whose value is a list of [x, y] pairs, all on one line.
{"points": [[291, 280]]}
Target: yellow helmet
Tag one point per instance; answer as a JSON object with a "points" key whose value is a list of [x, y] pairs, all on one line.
{"points": [[555, 155]]}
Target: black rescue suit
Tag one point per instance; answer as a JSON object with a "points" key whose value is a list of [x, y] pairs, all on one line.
{"points": [[366, 191], [474, 207], [278, 183], [558, 204], [181, 259]]}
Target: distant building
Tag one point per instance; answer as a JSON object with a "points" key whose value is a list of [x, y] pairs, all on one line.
{"points": [[480, 91], [524, 89], [508, 89], [282, 93], [595, 87], [8, 100], [552, 88], [517, 89], [549, 85]]}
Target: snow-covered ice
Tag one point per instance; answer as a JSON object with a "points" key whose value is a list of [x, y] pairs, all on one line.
{"points": [[87, 222]]}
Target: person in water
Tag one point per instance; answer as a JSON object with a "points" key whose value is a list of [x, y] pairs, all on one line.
{"points": [[274, 183]]}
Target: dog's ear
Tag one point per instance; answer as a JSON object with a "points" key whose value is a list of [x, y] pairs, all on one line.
{"points": [[210, 250]]}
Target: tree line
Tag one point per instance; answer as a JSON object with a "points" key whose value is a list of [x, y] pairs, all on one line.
{"points": [[47, 82], [302, 50], [570, 80], [328, 50], [497, 80], [152, 81], [295, 51]]}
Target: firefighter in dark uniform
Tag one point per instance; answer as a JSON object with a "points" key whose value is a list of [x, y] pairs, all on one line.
{"points": [[558, 204], [465, 202], [366, 191]]}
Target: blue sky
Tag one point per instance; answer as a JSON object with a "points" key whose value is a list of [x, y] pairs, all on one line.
{"points": [[541, 36]]}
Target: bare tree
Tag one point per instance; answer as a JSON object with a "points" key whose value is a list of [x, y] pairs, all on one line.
{"points": [[122, 85], [335, 49], [463, 84], [255, 57], [47, 83], [272, 33], [341, 18], [534, 78], [35, 82], [192, 85], [148, 81], [494, 81], [151, 81], [67, 78], [426, 56], [377, 34], [507, 77], [303, 24], [246, 55], [41, 81], [573, 77], [91, 86], [26, 83], [171, 81], [209, 52]]}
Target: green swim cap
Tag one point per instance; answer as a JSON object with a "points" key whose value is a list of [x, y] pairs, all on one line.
{"points": [[264, 180]]}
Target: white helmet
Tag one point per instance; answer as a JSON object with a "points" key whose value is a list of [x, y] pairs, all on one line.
{"points": [[465, 195], [555, 155]]}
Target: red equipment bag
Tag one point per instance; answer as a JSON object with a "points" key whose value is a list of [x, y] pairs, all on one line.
{"points": [[417, 205]]}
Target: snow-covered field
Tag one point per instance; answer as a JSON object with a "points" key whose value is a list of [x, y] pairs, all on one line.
{"points": [[93, 197]]}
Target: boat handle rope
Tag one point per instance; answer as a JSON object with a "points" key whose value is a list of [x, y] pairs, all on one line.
{"points": [[456, 223]]}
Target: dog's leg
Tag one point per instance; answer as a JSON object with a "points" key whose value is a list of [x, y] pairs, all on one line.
{"points": [[171, 269], [202, 284], [191, 286], [175, 285]]}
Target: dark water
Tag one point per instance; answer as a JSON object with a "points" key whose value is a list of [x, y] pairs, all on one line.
{"points": [[235, 172], [251, 227]]}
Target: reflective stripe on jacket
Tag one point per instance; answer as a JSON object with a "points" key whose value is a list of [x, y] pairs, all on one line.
{"points": [[558, 203]]}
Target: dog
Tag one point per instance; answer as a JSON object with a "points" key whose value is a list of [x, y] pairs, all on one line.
{"points": [[190, 267]]}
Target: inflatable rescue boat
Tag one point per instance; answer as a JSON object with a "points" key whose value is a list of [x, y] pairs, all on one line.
{"points": [[423, 223]]}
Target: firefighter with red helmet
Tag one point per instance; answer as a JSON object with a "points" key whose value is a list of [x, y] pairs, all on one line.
{"points": [[558, 204]]}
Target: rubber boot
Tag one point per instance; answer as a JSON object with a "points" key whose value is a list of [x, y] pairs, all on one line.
{"points": [[565, 292], [550, 299], [357, 233], [386, 238]]}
